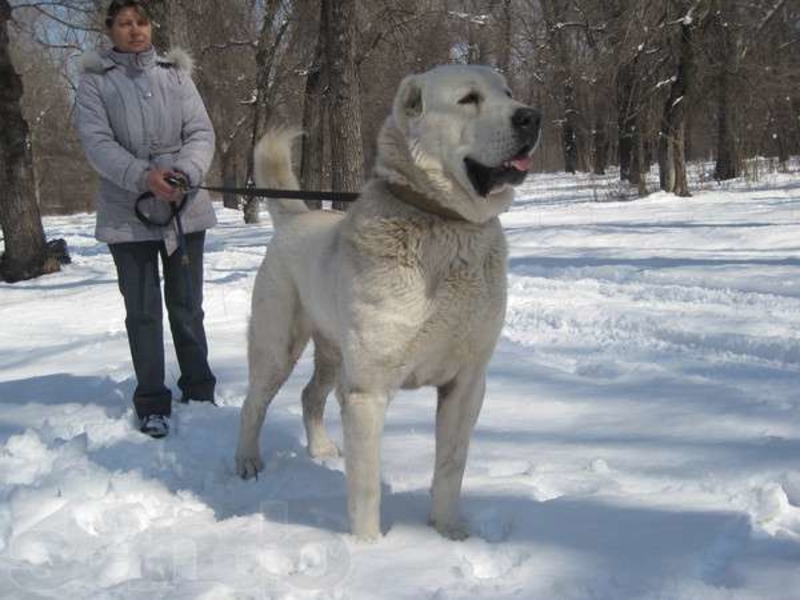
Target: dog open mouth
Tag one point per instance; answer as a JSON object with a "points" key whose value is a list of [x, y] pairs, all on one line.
{"points": [[485, 179]]}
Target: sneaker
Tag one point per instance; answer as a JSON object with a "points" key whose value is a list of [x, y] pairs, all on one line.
{"points": [[187, 400], [156, 426]]}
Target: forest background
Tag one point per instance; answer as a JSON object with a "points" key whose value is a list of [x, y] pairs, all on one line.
{"points": [[628, 84]]}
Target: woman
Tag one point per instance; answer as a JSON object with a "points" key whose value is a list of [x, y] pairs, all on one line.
{"points": [[141, 119]]}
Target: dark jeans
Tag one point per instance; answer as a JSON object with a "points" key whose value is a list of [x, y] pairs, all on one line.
{"points": [[139, 282]]}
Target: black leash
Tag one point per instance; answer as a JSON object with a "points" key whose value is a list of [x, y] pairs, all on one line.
{"points": [[275, 193], [175, 214], [181, 184]]}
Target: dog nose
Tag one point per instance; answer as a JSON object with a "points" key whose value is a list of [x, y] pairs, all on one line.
{"points": [[526, 121]]}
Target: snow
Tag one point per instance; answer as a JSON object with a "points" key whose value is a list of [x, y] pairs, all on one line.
{"points": [[640, 437]]}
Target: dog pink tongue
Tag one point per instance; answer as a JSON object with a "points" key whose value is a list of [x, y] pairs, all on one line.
{"points": [[522, 164]]}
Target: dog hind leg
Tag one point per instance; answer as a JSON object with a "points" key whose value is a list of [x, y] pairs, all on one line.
{"points": [[458, 406], [326, 366], [278, 334]]}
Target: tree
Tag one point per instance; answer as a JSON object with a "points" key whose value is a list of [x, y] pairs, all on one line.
{"points": [[26, 254], [591, 19], [725, 87], [170, 27], [223, 46], [727, 44], [269, 41], [347, 153], [65, 182], [315, 116], [554, 18], [671, 149]]}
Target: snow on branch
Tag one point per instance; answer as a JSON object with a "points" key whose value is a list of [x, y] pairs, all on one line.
{"points": [[474, 19]]}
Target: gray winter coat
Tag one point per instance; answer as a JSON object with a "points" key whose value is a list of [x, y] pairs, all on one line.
{"points": [[135, 111]]}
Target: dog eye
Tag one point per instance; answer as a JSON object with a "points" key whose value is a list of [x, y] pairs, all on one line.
{"points": [[471, 98], [508, 93]]}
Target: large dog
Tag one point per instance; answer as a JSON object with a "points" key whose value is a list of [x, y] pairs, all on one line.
{"points": [[407, 289]]}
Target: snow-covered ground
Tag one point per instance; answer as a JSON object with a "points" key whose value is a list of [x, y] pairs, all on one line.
{"points": [[640, 438]]}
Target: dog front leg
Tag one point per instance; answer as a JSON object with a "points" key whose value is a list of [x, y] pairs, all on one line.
{"points": [[458, 406], [362, 420]]}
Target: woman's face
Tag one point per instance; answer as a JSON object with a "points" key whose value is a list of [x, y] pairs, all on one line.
{"points": [[130, 31]]}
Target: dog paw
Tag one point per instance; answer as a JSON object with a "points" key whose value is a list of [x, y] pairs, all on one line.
{"points": [[452, 530], [248, 466], [367, 536], [323, 449]]}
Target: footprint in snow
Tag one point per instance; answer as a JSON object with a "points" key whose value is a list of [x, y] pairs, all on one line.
{"points": [[483, 561]]}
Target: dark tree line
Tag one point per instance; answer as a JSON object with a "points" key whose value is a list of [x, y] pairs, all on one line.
{"points": [[625, 83]]}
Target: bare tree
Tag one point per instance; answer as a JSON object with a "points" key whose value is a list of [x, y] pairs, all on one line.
{"points": [[671, 149], [726, 43], [722, 84], [273, 28], [170, 23], [554, 15], [315, 116], [25, 253], [347, 156]]}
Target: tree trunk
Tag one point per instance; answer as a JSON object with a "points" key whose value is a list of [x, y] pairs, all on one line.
{"points": [[600, 142], [672, 177], [727, 166], [626, 121], [795, 128], [25, 253], [228, 167], [170, 24], [552, 11], [682, 182], [570, 136], [504, 52], [785, 129], [268, 41], [159, 14], [639, 166], [347, 153], [313, 148], [728, 161]]}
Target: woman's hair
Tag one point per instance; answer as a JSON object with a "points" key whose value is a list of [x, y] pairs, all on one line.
{"points": [[116, 6]]}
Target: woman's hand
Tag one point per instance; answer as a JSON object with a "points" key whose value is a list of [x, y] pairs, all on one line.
{"points": [[159, 187]]}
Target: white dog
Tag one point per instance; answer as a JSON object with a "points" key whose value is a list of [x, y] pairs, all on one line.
{"points": [[407, 289]]}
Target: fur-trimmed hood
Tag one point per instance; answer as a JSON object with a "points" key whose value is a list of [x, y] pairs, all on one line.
{"points": [[180, 59], [99, 62]]}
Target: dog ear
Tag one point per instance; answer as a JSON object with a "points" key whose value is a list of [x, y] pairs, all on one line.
{"points": [[408, 101]]}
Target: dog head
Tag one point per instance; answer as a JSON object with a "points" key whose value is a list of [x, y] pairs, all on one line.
{"points": [[457, 135]]}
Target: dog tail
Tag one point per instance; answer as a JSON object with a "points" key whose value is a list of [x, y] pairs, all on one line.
{"points": [[272, 163]]}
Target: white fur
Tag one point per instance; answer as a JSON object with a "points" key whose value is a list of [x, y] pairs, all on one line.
{"points": [[393, 296], [93, 62], [273, 163], [181, 59]]}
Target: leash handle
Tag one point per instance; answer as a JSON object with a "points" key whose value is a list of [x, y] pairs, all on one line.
{"points": [[178, 182], [176, 209]]}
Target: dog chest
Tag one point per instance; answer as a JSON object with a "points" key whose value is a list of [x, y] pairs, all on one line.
{"points": [[465, 281], [422, 299]]}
